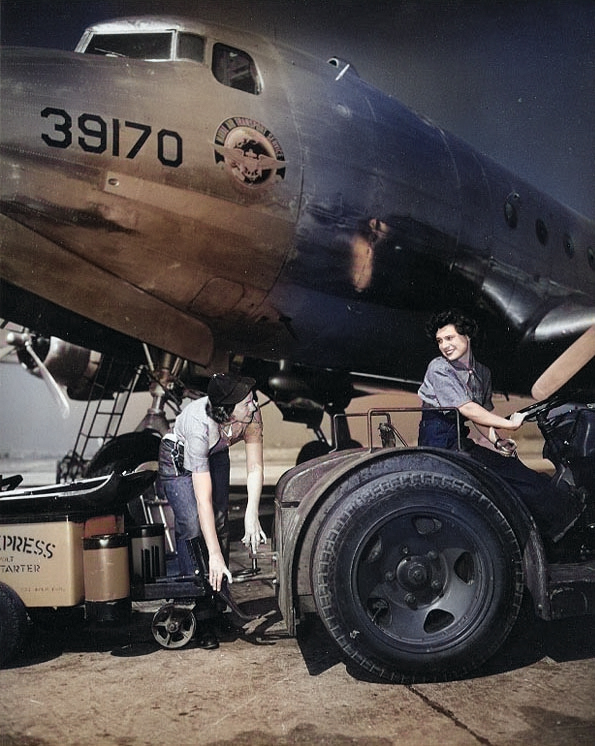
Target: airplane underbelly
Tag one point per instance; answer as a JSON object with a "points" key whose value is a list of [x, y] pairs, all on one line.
{"points": [[159, 238]]}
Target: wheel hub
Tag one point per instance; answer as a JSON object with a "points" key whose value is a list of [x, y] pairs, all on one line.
{"points": [[419, 577], [413, 573]]}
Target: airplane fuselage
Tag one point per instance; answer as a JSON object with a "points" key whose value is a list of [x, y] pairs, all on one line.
{"points": [[299, 214]]}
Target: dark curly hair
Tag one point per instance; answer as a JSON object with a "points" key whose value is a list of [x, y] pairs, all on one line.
{"points": [[463, 324], [221, 415]]}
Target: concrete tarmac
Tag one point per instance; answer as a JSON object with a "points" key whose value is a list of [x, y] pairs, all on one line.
{"points": [[83, 686], [78, 685]]}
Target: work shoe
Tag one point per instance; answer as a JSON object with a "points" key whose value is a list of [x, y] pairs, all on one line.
{"points": [[225, 629], [206, 637]]}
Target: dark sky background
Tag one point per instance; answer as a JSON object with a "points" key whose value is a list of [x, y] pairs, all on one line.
{"points": [[514, 79]]}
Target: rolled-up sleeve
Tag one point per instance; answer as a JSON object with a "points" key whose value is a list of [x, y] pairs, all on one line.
{"points": [[196, 453], [192, 428], [442, 387]]}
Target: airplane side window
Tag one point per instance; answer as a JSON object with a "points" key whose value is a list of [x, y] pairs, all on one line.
{"points": [[144, 46], [541, 231], [191, 47], [235, 69]]}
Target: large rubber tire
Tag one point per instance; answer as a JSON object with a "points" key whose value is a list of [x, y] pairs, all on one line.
{"points": [[13, 623], [417, 577]]}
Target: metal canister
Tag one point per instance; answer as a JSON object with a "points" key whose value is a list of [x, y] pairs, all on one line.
{"points": [[107, 578], [147, 552]]}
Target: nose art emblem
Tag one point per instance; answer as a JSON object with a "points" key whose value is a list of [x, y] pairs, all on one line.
{"points": [[250, 152]]}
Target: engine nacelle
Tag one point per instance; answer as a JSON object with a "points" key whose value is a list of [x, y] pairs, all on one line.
{"points": [[71, 366]]}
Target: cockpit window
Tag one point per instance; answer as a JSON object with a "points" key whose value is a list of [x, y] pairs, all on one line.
{"points": [[235, 69], [191, 47], [144, 46]]}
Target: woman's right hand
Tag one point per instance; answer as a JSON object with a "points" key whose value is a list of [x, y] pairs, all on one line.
{"points": [[218, 569], [516, 420]]}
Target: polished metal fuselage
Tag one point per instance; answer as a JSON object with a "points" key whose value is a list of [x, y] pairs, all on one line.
{"points": [[319, 221]]}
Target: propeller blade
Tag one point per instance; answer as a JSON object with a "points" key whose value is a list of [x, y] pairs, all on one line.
{"points": [[55, 390], [564, 367]]}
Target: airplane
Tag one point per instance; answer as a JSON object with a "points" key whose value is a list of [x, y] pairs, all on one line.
{"points": [[191, 198]]}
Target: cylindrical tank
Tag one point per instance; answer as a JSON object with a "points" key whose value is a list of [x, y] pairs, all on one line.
{"points": [[147, 552], [107, 578]]}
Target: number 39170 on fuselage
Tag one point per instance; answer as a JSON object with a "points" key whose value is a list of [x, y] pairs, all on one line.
{"points": [[206, 191]]}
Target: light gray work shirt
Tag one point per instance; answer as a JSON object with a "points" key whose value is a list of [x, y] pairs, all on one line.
{"points": [[201, 436], [453, 384]]}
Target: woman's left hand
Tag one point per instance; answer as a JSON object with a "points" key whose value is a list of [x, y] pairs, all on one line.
{"points": [[506, 446], [253, 533]]}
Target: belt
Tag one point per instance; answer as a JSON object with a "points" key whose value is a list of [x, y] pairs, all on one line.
{"points": [[448, 415]]}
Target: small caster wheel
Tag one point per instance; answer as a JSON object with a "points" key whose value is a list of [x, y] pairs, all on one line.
{"points": [[173, 626]]}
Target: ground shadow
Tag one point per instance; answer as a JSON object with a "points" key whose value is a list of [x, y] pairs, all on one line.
{"points": [[533, 639], [318, 649], [530, 641], [55, 632], [65, 630]]}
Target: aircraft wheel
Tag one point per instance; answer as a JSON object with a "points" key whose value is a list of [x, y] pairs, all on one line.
{"points": [[173, 626], [312, 449], [13, 623], [315, 448], [417, 577]]}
